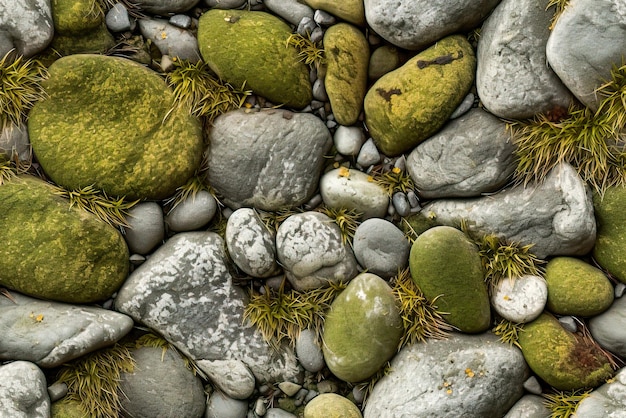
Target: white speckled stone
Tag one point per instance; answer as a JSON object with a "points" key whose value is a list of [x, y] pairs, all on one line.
{"points": [[192, 213], [520, 299], [607, 401], [23, 391], [230, 376], [353, 189]]}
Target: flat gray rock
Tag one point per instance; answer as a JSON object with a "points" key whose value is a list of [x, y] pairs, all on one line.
{"points": [[609, 400], [25, 25], [292, 11], [231, 377], [23, 391], [609, 328]]}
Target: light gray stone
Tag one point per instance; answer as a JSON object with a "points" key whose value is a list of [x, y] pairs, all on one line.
{"points": [[587, 40], [307, 26], [309, 351], [292, 11], [278, 413], [289, 388], [369, 154], [225, 4], [232, 377], [381, 248], [609, 400], [529, 406], [471, 155], [171, 40], [569, 323], [269, 160], [23, 391], [512, 76], [324, 18], [14, 143], [520, 299], [221, 406], [532, 385], [353, 189], [319, 90], [556, 215], [146, 228], [311, 250], [415, 25], [181, 21], [192, 213], [184, 291], [476, 374], [51, 333], [348, 140], [609, 328], [401, 204], [118, 20], [464, 107], [25, 25], [56, 391], [164, 7]]}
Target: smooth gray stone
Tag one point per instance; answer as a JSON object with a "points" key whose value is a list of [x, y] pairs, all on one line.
{"points": [[532, 385], [232, 377], [250, 167], [324, 18], [52, 333], [14, 142], [343, 188], [529, 406], [292, 11], [471, 155], [309, 352], [184, 291], [401, 204], [476, 374], [25, 25], [586, 41], [118, 20], [464, 107], [381, 248], [569, 323], [23, 392], [319, 90], [146, 227], [556, 216], [306, 26], [192, 213], [513, 78], [57, 390], [609, 400], [369, 154], [609, 328], [348, 140], [165, 7], [221, 406], [171, 40], [181, 21], [225, 4]]}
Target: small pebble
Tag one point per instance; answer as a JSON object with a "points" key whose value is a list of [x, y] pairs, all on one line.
{"points": [[289, 388], [278, 413], [319, 90], [358, 393], [314, 202], [327, 386], [259, 407], [275, 282], [401, 204], [192, 213], [56, 391], [137, 259], [306, 26], [310, 395], [400, 163], [532, 385], [465, 105], [568, 323], [316, 104], [391, 210], [222, 406], [181, 21], [309, 352], [118, 20], [301, 394], [348, 140], [330, 124], [145, 228], [619, 290], [166, 63], [108, 304], [369, 154], [317, 35], [323, 18], [413, 200]]}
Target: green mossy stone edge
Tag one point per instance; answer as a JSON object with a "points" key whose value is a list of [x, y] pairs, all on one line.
{"points": [[610, 247], [75, 16]]}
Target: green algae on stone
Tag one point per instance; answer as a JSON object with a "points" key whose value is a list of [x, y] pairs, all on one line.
{"points": [[66, 408], [251, 47], [53, 252], [383, 60], [112, 123], [610, 247], [362, 329], [577, 288], [331, 405], [347, 56], [563, 360], [446, 265], [352, 11], [406, 106], [79, 28]]}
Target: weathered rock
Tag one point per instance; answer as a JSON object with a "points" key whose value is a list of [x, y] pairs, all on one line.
{"points": [[477, 375], [164, 7], [269, 160], [14, 143], [232, 377], [512, 76], [446, 265], [362, 329], [609, 250], [406, 106], [23, 391], [250, 47], [415, 25], [520, 299], [556, 215], [312, 251], [609, 328], [529, 406], [471, 155], [78, 29], [609, 400], [349, 10], [192, 213], [331, 405], [309, 351], [171, 40], [109, 122], [146, 229], [381, 248], [221, 406], [27, 36], [54, 252], [348, 140]]}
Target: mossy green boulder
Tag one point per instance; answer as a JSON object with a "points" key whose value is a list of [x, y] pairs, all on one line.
{"points": [[577, 288], [331, 405], [362, 329], [347, 58], [79, 27], [610, 247], [251, 47], [563, 360], [446, 265], [112, 123], [52, 251], [406, 106]]}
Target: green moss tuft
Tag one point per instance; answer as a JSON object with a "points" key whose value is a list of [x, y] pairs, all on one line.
{"points": [[309, 52], [508, 331], [564, 404], [394, 180], [346, 219]]}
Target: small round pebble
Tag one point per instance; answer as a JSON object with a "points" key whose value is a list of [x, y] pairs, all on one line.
{"points": [[369, 154], [319, 90], [309, 352], [331, 405], [146, 229], [465, 105], [323, 18], [181, 21], [221, 406], [532, 385], [118, 20], [348, 140], [520, 299], [192, 213], [401, 204], [289, 388], [619, 290], [569, 323], [259, 407], [380, 247], [56, 391]]}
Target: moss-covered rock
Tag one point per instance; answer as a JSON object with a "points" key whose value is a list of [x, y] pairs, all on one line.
{"points": [[112, 123], [331, 405], [577, 288], [53, 252], [610, 247], [406, 106], [362, 330], [563, 360], [347, 56], [79, 27], [66, 408], [352, 11], [251, 48], [444, 263]]}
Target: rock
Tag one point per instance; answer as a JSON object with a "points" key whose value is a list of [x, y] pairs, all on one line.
{"points": [[348, 140], [446, 265], [181, 21], [323, 18], [312, 252], [381, 248], [164, 7], [369, 154], [362, 329], [231, 377], [146, 229], [309, 351], [171, 40], [28, 36], [416, 25], [582, 66], [242, 46], [563, 360], [104, 123], [291, 10], [529, 406], [52, 251], [185, 293], [577, 288], [251, 245], [51, 334], [66, 408], [349, 10], [23, 391], [470, 156], [221, 406], [353, 189], [78, 28], [14, 143], [118, 20], [611, 239], [274, 158], [513, 78], [289, 388], [521, 299], [533, 386], [347, 61], [331, 405], [609, 400], [192, 213], [319, 91], [564, 226], [475, 374], [225, 4], [383, 60], [406, 106], [609, 328], [57, 391], [401, 204], [464, 107], [278, 413]]}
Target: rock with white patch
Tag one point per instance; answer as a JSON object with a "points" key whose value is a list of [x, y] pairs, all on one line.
{"points": [[25, 25], [520, 299], [381, 248], [609, 400], [145, 229], [171, 40], [232, 377], [352, 189], [192, 213], [23, 391]]}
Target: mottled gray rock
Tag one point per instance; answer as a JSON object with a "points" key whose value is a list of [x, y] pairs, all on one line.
{"points": [[348, 140], [587, 40], [529, 406], [52, 333], [250, 243], [311, 250], [225, 4], [512, 76], [184, 291], [309, 351], [381, 248], [14, 142], [23, 391], [221, 406], [292, 11], [118, 20], [609, 400], [369, 154], [609, 328], [164, 7], [556, 215], [353, 189], [146, 229], [25, 25], [232, 377], [476, 374], [520, 299], [469, 156], [171, 40], [192, 213], [269, 160], [161, 385], [415, 25]]}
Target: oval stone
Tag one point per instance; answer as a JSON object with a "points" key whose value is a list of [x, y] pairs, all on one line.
{"points": [[328, 405], [610, 246], [520, 299]]}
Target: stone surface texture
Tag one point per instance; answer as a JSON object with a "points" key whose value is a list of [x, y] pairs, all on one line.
{"points": [[25, 25], [23, 391]]}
